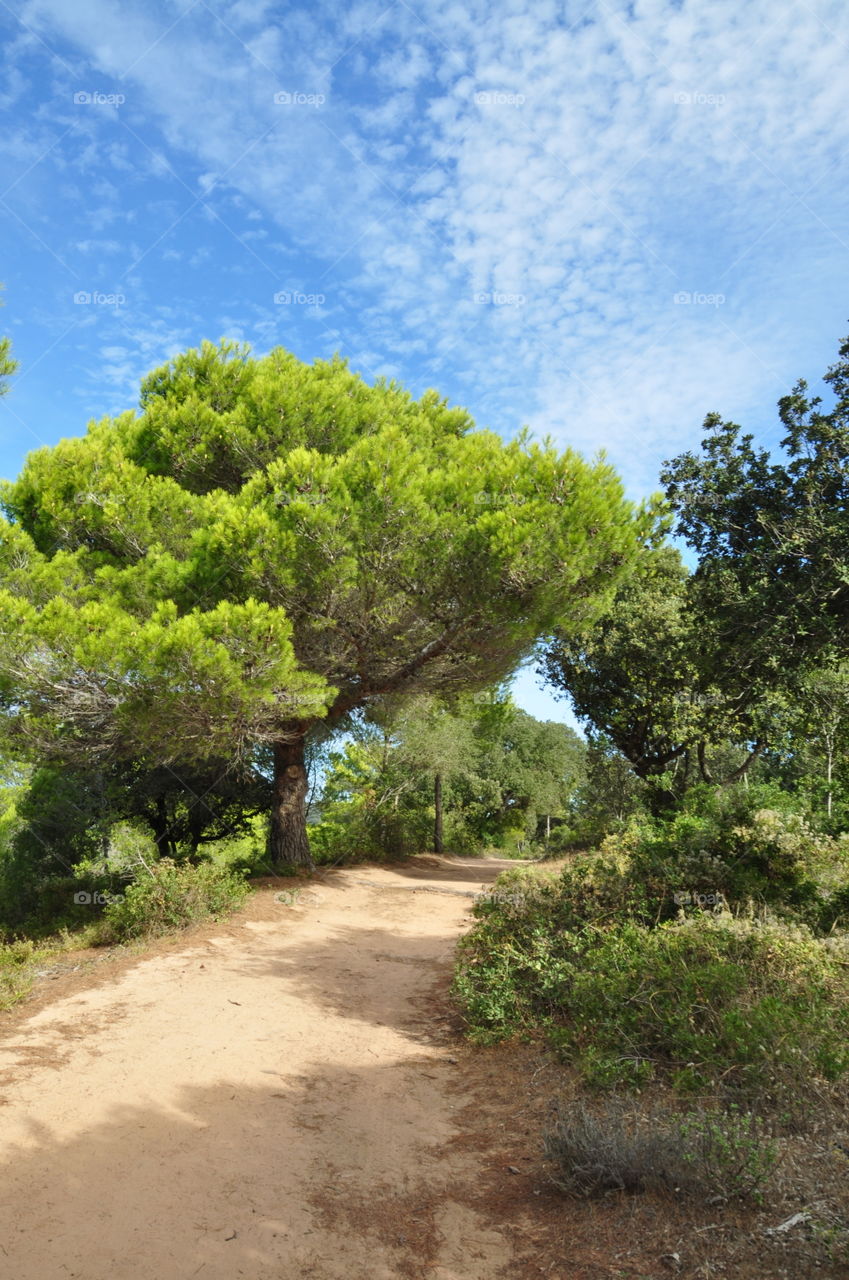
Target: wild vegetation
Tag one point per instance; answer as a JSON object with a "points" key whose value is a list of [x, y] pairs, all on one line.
{"points": [[268, 620]]}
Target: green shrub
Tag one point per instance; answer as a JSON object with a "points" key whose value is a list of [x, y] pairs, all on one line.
{"points": [[758, 1006], [747, 846], [513, 962], [615, 1145], [245, 854], [741, 850], [16, 977], [22, 960], [349, 842], [172, 897]]}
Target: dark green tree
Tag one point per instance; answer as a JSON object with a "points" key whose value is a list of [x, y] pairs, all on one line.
{"points": [[640, 678], [772, 539]]}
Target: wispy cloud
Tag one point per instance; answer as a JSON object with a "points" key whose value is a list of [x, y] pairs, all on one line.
{"points": [[602, 219]]}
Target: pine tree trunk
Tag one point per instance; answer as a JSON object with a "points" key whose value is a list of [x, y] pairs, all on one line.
{"points": [[288, 844], [438, 845]]}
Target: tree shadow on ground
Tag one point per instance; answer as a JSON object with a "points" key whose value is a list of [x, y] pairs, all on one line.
{"points": [[339, 1175]]}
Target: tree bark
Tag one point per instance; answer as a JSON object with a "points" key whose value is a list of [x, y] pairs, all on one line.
{"points": [[288, 844], [707, 776], [438, 845], [161, 825], [743, 770]]}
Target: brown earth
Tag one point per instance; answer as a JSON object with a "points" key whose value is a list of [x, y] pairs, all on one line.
{"points": [[288, 1094], [273, 1096]]}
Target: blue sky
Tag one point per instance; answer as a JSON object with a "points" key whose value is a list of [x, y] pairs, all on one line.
{"points": [[509, 201]]}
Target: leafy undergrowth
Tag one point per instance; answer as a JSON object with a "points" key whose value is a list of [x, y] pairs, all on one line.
{"points": [[168, 897], [22, 962], [165, 899], [751, 1006], [705, 1045], [753, 1201]]}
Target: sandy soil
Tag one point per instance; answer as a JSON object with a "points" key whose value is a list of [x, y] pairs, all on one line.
{"points": [[279, 1095]]}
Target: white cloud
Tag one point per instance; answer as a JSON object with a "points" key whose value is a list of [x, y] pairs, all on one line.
{"points": [[645, 149]]}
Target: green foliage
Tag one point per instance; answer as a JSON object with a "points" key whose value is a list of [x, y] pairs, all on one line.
{"points": [[639, 678], [730, 1152], [170, 687], [7, 364], [244, 854], [754, 1006], [626, 673], [747, 648], [501, 771], [17, 959], [65, 830], [57, 823], [628, 994], [267, 547], [772, 582], [514, 963], [172, 897], [747, 847], [301, 507], [610, 796]]}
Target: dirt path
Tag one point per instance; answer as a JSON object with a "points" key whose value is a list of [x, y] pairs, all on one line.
{"points": [[278, 1096]]}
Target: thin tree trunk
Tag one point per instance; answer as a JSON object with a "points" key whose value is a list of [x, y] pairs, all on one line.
{"points": [[707, 776], [160, 828], [438, 845], [547, 828], [288, 844], [743, 769], [829, 772], [195, 827]]}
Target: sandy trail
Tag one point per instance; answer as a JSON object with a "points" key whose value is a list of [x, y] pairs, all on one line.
{"points": [[275, 1097]]}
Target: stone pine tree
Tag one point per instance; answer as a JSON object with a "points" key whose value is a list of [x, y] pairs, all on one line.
{"points": [[267, 546]]}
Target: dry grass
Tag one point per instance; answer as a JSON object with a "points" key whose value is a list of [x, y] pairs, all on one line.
{"points": [[655, 1233], [622, 1144]]}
